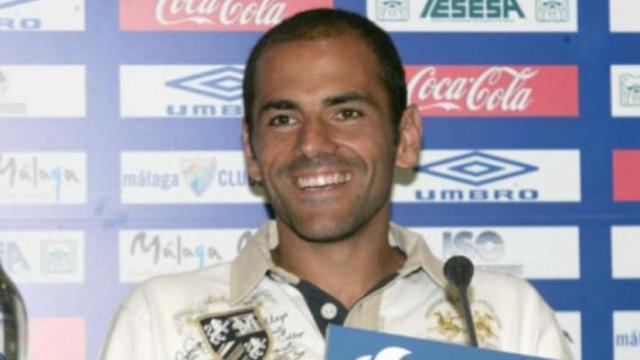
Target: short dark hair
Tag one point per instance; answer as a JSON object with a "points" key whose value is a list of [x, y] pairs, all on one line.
{"points": [[318, 24]]}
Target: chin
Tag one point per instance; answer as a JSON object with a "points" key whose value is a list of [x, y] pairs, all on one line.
{"points": [[325, 231]]}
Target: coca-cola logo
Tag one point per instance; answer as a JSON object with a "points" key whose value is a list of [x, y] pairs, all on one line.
{"points": [[499, 90], [498, 87], [210, 15], [222, 12]]}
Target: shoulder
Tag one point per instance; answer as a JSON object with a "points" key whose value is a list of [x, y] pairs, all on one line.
{"points": [[507, 289]]}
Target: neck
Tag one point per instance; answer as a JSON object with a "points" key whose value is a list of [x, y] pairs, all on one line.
{"points": [[344, 269]]}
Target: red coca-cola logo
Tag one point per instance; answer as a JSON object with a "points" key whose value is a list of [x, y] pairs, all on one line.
{"points": [[626, 175], [494, 90], [225, 12], [210, 15]]}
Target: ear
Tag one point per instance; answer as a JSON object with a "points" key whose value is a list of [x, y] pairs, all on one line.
{"points": [[409, 138], [249, 154]]}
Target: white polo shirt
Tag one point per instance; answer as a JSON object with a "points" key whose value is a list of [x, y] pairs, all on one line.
{"points": [[251, 309]]}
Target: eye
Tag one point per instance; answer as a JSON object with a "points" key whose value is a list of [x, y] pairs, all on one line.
{"points": [[281, 120], [347, 114]]}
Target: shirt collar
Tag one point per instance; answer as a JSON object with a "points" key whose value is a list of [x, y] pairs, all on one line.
{"points": [[419, 256], [251, 265]]}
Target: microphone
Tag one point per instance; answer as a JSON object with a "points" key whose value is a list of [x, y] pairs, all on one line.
{"points": [[459, 271]]}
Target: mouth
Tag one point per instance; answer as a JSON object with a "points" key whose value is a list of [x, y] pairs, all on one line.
{"points": [[322, 181]]}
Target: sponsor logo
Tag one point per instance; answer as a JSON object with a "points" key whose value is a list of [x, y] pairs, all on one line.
{"points": [[47, 333], [32, 91], [625, 90], [626, 175], [623, 15], [9, 3], [12, 23], [43, 256], [518, 251], [626, 334], [42, 178], [628, 339], [32, 15], [474, 9], [388, 353], [625, 244], [210, 15], [14, 260], [392, 10], [59, 256], [189, 91], [238, 334], [475, 15], [198, 173], [147, 253], [552, 10], [487, 246], [223, 83], [162, 181], [187, 177], [494, 90], [629, 90], [477, 168], [492, 176]]}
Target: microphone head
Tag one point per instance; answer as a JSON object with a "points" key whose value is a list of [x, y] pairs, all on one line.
{"points": [[459, 271]]}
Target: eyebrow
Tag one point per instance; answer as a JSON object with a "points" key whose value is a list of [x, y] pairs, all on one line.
{"points": [[349, 97], [278, 105], [330, 101]]}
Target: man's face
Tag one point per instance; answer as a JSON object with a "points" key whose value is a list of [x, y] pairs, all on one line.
{"points": [[322, 137]]}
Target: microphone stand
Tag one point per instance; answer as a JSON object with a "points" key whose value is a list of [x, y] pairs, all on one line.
{"points": [[459, 271]]}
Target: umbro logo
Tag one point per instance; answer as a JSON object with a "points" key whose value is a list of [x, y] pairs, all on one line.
{"points": [[9, 3], [477, 168], [223, 83]]}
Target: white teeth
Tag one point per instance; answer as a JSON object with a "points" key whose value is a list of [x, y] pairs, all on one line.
{"points": [[323, 180]]}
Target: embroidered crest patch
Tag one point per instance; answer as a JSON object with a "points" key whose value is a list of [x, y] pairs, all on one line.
{"points": [[445, 321], [236, 335]]}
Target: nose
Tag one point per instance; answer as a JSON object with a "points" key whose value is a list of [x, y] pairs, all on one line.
{"points": [[315, 138]]}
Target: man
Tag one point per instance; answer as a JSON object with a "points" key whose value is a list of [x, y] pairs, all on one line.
{"points": [[326, 124]]}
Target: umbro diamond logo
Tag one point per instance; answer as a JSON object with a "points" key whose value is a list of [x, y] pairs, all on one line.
{"points": [[224, 83], [477, 168]]}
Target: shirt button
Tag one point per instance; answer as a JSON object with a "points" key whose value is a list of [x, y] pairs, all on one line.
{"points": [[329, 311]]}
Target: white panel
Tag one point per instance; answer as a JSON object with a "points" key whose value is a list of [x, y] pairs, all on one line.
{"points": [[42, 15], [624, 15], [625, 90], [183, 91], [163, 177], [43, 256], [475, 15], [625, 247], [43, 178], [543, 252], [42, 91], [493, 176], [145, 253]]}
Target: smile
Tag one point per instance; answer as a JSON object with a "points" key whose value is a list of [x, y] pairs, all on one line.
{"points": [[320, 181]]}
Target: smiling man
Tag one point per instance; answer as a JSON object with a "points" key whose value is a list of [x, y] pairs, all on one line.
{"points": [[326, 125]]}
